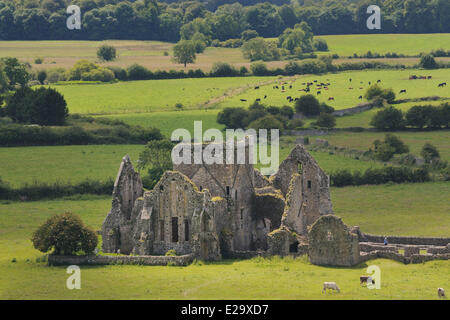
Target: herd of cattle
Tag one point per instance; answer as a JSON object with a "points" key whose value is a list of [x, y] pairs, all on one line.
{"points": [[321, 86]]}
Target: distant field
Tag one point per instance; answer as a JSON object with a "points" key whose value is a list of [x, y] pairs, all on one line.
{"points": [[151, 95], [407, 44], [363, 119], [63, 163], [77, 163], [151, 53], [415, 140], [408, 209], [168, 121], [340, 85]]}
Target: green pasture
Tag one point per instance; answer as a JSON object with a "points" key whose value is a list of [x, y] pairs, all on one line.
{"points": [[168, 121], [151, 95], [414, 139], [409, 209], [63, 163], [340, 85], [99, 162], [407, 44]]}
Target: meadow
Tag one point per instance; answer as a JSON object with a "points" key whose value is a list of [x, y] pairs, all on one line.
{"points": [[376, 209], [99, 162], [340, 85], [414, 139], [151, 53], [151, 95]]}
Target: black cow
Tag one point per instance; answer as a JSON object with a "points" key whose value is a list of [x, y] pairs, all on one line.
{"points": [[243, 100], [403, 91]]}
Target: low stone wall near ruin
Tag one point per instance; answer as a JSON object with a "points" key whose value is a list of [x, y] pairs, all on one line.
{"points": [[364, 237], [104, 260]]}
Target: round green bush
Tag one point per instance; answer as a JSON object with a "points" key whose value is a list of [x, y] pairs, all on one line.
{"points": [[66, 234]]}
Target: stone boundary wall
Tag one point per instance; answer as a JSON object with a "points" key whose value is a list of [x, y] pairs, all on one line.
{"points": [[424, 241], [415, 258], [105, 260], [349, 111]]}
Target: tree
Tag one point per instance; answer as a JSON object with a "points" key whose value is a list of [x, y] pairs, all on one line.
{"points": [[157, 157], [267, 122], [15, 71], [233, 118], [43, 106], [308, 105], [4, 82], [388, 119], [428, 62], [42, 76], [429, 152], [260, 49], [375, 91], [184, 52], [396, 143], [249, 34], [106, 53], [66, 234], [326, 120], [417, 116]]}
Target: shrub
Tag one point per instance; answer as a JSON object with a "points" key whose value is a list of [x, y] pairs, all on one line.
{"points": [[38, 60], [429, 152], [243, 70], [266, 122], [428, 62], [295, 124], [106, 53], [222, 69], [249, 34], [66, 234], [138, 72], [259, 69], [320, 45], [388, 119], [396, 143], [233, 118], [375, 91], [287, 112], [171, 253], [326, 120], [43, 106], [308, 105], [99, 74], [119, 73], [41, 76]]}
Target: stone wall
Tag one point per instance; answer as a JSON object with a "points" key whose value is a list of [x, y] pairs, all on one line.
{"points": [[332, 243], [364, 237], [104, 260]]}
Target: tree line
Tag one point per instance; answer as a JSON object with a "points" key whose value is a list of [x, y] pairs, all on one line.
{"points": [[215, 19]]}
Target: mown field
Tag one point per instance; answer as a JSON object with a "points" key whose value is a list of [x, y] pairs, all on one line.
{"points": [[346, 93], [151, 53], [408, 209]]}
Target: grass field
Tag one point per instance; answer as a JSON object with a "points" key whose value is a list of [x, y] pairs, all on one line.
{"points": [[168, 121], [151, 53], [414, 139], [151, 95], [340, 85], [409, 209], [407, 44], [77, 163]]}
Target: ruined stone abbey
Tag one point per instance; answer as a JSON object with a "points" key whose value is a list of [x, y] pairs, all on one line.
{"points": [[217, 211]]}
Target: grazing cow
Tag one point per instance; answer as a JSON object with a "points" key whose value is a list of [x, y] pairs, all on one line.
{"points": [[318, 92], [370, 83], [315, 80], [403, 91], [258, 99], [290, 87], [330, 285], [288, 97], [295, 99], [378, 81], [265, 96], [441, 292], [366, 279], [360, 97], [350, 88], [243, 100], [442, 84], [360, 88], [257, 87], [429, 77], [350, 79], [330, 98], [282, 87]]}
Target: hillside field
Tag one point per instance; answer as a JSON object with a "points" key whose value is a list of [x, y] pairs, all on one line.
{"points": [[376, 209]]}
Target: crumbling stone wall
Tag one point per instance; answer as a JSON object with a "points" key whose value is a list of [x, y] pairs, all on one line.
{"points": [[117, 227], [332, 243]]}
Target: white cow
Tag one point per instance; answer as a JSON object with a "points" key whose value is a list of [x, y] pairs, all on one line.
{"points": [[330, 285], [441, 292]]}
